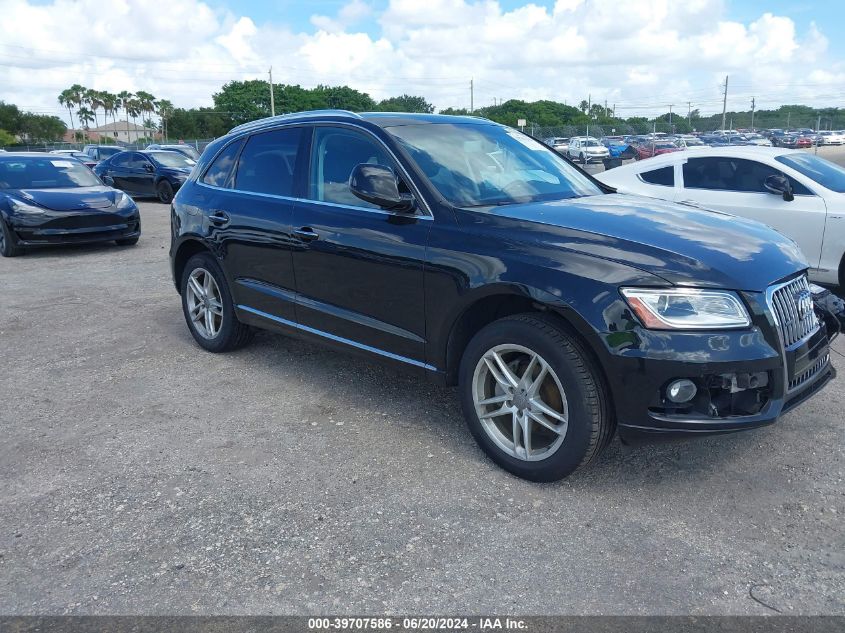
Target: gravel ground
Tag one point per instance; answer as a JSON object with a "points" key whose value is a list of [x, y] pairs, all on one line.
{"points": [[142, 475]]}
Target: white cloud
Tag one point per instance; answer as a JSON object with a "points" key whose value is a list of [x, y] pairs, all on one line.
{"points": [[641, 55]]}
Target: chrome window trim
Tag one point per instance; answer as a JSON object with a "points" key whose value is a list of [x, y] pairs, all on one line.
{"points": [[274, 196]]}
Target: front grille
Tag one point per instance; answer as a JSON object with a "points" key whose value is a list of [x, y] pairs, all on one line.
{"points": [[808, 373], [792, 306]]}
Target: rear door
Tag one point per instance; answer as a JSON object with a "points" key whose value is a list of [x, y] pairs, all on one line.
{"points": [[118, 169], [359, 268], [735, 185], [249, 192]]}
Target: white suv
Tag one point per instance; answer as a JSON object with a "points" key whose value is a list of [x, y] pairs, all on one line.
{"points": [[586, 149]]}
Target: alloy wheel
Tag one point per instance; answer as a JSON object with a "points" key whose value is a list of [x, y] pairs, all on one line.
{"points": [[520, 402], [205, 303]]}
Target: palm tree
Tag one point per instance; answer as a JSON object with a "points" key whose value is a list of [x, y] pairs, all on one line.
{"points": [[95, 102], [123, 99], [151, 127], [85, 117], [133, 109], [66, 99], [146, 103], [109, 105], [164, 110]]}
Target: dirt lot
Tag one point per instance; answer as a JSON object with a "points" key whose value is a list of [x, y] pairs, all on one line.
{"points": [[142, 475]]}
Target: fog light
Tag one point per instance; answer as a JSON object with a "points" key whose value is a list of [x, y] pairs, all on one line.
{"points": [[682, 390]]}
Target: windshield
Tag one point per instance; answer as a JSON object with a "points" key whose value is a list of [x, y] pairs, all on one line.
{"points": [[665, 145], [824, 172], [173, 159], [475, 165], [54, 172], [110, 151]]}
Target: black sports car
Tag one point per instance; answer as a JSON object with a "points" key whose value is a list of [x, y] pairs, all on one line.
{"points": [[149, 173], [49, 199]]}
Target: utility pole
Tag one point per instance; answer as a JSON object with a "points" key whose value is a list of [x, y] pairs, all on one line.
{"points": [[725, 102], [689, 113], [614, 110], [752, 114], [818, 127], [471, 97], [272, 98], [671, 129], [788, 114], [605, 107]]}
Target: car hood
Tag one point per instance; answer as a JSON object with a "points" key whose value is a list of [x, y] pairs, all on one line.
{"points": [[681, 244], [72, 199]]}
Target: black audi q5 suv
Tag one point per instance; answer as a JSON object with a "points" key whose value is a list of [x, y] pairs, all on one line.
{"points": [[472, 254]]}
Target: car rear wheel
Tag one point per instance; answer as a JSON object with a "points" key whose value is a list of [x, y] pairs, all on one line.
{"points": [[532, 398], [208, 307], [165, 192], [7, 246]]}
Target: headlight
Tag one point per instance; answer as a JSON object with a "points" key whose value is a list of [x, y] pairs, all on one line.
{"points": [[26, 209], [123, 201], [687, 309]]}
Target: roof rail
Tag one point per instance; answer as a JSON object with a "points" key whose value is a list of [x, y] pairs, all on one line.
{"points": [[287, 117]]}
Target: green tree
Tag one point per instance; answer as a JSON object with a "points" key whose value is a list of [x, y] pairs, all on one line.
{"points": [[10, 117], [405, 103], [7, 138], [41, 128]]}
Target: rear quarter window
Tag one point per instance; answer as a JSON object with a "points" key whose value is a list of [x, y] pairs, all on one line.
{"points": [[219, 172], [664, 176]]}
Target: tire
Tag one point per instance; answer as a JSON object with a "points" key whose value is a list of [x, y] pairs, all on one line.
{"points": [[7, 247], [842, 274], [129, 241], [164, 191], [226, 332], [583, 159], [584, 400]]}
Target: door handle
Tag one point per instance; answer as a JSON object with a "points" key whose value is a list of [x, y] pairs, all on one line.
{"points": [[306, 234], [218, 217]]}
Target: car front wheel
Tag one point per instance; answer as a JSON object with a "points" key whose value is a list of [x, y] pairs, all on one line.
{"points": [[208, 307], [7, 246], [532, 398]]}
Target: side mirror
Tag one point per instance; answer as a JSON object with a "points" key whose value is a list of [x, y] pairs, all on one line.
{"points": [[779, 185], [108, 181], [377, 185]]}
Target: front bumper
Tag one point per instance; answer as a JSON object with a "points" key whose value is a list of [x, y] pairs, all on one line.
{"points": [[76, 228], [722, 365]]}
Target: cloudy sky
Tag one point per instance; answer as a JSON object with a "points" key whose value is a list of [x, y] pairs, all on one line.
{"points": [[641, 55]]}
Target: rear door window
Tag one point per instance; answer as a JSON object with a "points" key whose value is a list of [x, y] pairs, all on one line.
{"points": [[268, 162]]}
